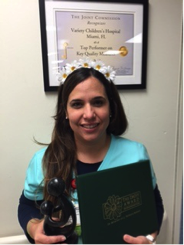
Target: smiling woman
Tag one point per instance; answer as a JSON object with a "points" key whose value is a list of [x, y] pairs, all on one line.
{"points": [[86, 137], [88, 112]]}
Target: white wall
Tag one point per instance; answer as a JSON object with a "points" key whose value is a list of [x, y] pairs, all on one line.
{"points": [[26, 110]]}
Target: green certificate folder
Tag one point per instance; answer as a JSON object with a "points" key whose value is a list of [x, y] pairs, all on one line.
{"points": [[115, 202]]}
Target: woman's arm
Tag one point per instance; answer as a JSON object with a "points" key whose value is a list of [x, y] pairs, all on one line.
{"points": [[159, 207], [28, 210], [31, 221]]}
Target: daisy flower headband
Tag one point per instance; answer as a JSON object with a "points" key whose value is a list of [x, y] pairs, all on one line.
{"points": [[98, 65]]}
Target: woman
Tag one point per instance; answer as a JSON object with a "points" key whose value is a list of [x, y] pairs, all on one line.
{"points": [[88, 122]]}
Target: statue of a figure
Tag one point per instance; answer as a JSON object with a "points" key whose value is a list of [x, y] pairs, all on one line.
{"points": [[65, 224]]}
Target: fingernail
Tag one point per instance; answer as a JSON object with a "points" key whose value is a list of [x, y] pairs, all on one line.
{"points": [[63, 238]]}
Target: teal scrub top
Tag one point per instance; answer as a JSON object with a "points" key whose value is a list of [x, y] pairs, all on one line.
{"points": [[121, 151]]}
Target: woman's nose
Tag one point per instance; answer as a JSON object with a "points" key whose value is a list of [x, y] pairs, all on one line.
{"points": [[89, 112]]}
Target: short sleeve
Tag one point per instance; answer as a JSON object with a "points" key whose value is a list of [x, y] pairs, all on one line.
{"points": [[123, 151], [33, 186], [144, 156]]}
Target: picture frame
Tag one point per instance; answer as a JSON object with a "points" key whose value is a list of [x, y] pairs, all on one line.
{"points": [[115, 32]]}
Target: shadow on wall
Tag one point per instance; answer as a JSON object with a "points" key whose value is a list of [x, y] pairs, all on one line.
{"points": [[181, 222], [162, 237]]}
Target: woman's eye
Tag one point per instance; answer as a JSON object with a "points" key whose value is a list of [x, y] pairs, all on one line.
{"points": [[98, 103], [76, 104]]}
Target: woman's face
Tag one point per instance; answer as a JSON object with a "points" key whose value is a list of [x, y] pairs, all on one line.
{"points": [[88, 111]]}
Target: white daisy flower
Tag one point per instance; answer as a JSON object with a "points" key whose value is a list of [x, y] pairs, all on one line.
{"points": [[63, 75], [73, 66], [109, 73], [86, 62], [98, 65]]}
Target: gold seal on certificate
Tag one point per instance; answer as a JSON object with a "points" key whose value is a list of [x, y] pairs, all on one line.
{"points": [[123, 51]]}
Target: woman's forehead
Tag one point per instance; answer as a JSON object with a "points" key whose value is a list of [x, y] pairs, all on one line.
{"points": [[90, 86]]}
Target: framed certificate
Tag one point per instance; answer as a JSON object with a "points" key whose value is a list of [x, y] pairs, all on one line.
{"points": [[114, 32]]}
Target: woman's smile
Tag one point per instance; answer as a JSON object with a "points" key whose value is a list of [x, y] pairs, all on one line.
{"points": [[90, 126]]}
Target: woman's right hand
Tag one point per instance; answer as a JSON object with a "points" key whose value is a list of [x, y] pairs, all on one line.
{"points": [[35, 230]]}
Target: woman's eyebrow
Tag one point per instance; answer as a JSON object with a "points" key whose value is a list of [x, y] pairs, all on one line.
{"points": [[76, 100], [99, 97]]}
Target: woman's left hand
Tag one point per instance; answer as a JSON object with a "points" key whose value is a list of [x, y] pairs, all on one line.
{"points": [[136, 240]]}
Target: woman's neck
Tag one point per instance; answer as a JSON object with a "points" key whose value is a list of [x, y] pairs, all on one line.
{"points": [[93, 151]]}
